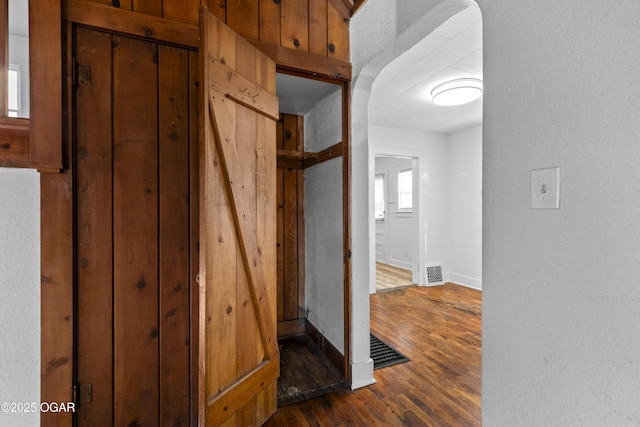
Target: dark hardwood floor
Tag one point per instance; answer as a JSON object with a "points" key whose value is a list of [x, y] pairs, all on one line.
{"points": [[439, 329]]}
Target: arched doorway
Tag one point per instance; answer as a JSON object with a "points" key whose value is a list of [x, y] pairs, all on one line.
{"points": [[367, 70]]}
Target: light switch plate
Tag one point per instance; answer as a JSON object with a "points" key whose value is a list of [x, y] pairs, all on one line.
{"points": [[545, 188]]}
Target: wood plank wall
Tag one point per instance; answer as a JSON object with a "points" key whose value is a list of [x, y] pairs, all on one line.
{"points": [[290, 199], [323, 50], [313, 26]]}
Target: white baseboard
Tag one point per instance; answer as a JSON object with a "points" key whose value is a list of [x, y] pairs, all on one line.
{"points": [[362, 374], [401, 264], [463, 280]]}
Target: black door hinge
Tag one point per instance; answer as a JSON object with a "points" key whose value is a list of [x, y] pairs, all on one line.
{"points": [[82, 394], [80, 74]]}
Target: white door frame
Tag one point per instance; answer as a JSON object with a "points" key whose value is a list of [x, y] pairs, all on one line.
{"points": [[385, 177]]}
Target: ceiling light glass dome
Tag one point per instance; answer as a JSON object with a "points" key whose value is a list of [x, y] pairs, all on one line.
{"points": [[457, 92]]}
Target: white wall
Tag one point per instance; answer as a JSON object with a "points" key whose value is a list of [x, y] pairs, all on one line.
{"points": [[399, 227], [20, 292], [323, 123], [465, 238], [433, 178], [561, 328], [324, 269]]}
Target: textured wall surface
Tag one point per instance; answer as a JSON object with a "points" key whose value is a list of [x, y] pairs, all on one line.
{"points": [[561, 300], [20, 293], [324, 270], [465, 211]]}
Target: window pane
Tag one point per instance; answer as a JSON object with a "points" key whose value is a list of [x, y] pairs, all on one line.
{"points": [[19, 57], [379, 197], [405, 184], [14, 90]]}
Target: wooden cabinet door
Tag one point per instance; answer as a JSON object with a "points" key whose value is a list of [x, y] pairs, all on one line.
{"points": [[239, 350], [133, 169]]}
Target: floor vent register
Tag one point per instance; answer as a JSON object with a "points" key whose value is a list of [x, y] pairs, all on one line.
{"points": [[383, 355]]}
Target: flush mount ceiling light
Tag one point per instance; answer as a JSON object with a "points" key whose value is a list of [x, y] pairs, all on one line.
{"points": [[457, 92]]}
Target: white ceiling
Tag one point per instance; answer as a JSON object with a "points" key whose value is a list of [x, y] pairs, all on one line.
{"points": [[401, 93], [298, 95]]}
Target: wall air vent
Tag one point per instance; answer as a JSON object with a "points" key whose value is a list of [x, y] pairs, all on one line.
{"points": [[434, 274]]}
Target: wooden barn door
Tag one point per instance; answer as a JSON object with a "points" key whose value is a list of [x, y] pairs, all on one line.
{"points": [[239, 349], [136, 175]]}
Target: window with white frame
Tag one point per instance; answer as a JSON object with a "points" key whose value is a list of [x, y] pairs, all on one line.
{"points": [[13, 98], [379, 196], [405, 189], [16, 74]]}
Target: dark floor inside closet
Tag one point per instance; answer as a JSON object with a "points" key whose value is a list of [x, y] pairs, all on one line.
{"points": [[305, 371]]}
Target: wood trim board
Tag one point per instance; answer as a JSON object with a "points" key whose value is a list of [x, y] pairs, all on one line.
{"points": [[247, 386], [288, 328], [14, 143], [57, 295], [309, 63], [130, 23], [237, 87], [46, 80], [346, 221], [334, 355], [329, 153]]}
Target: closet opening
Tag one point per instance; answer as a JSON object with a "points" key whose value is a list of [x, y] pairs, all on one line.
{"points": [[312, 235]]}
